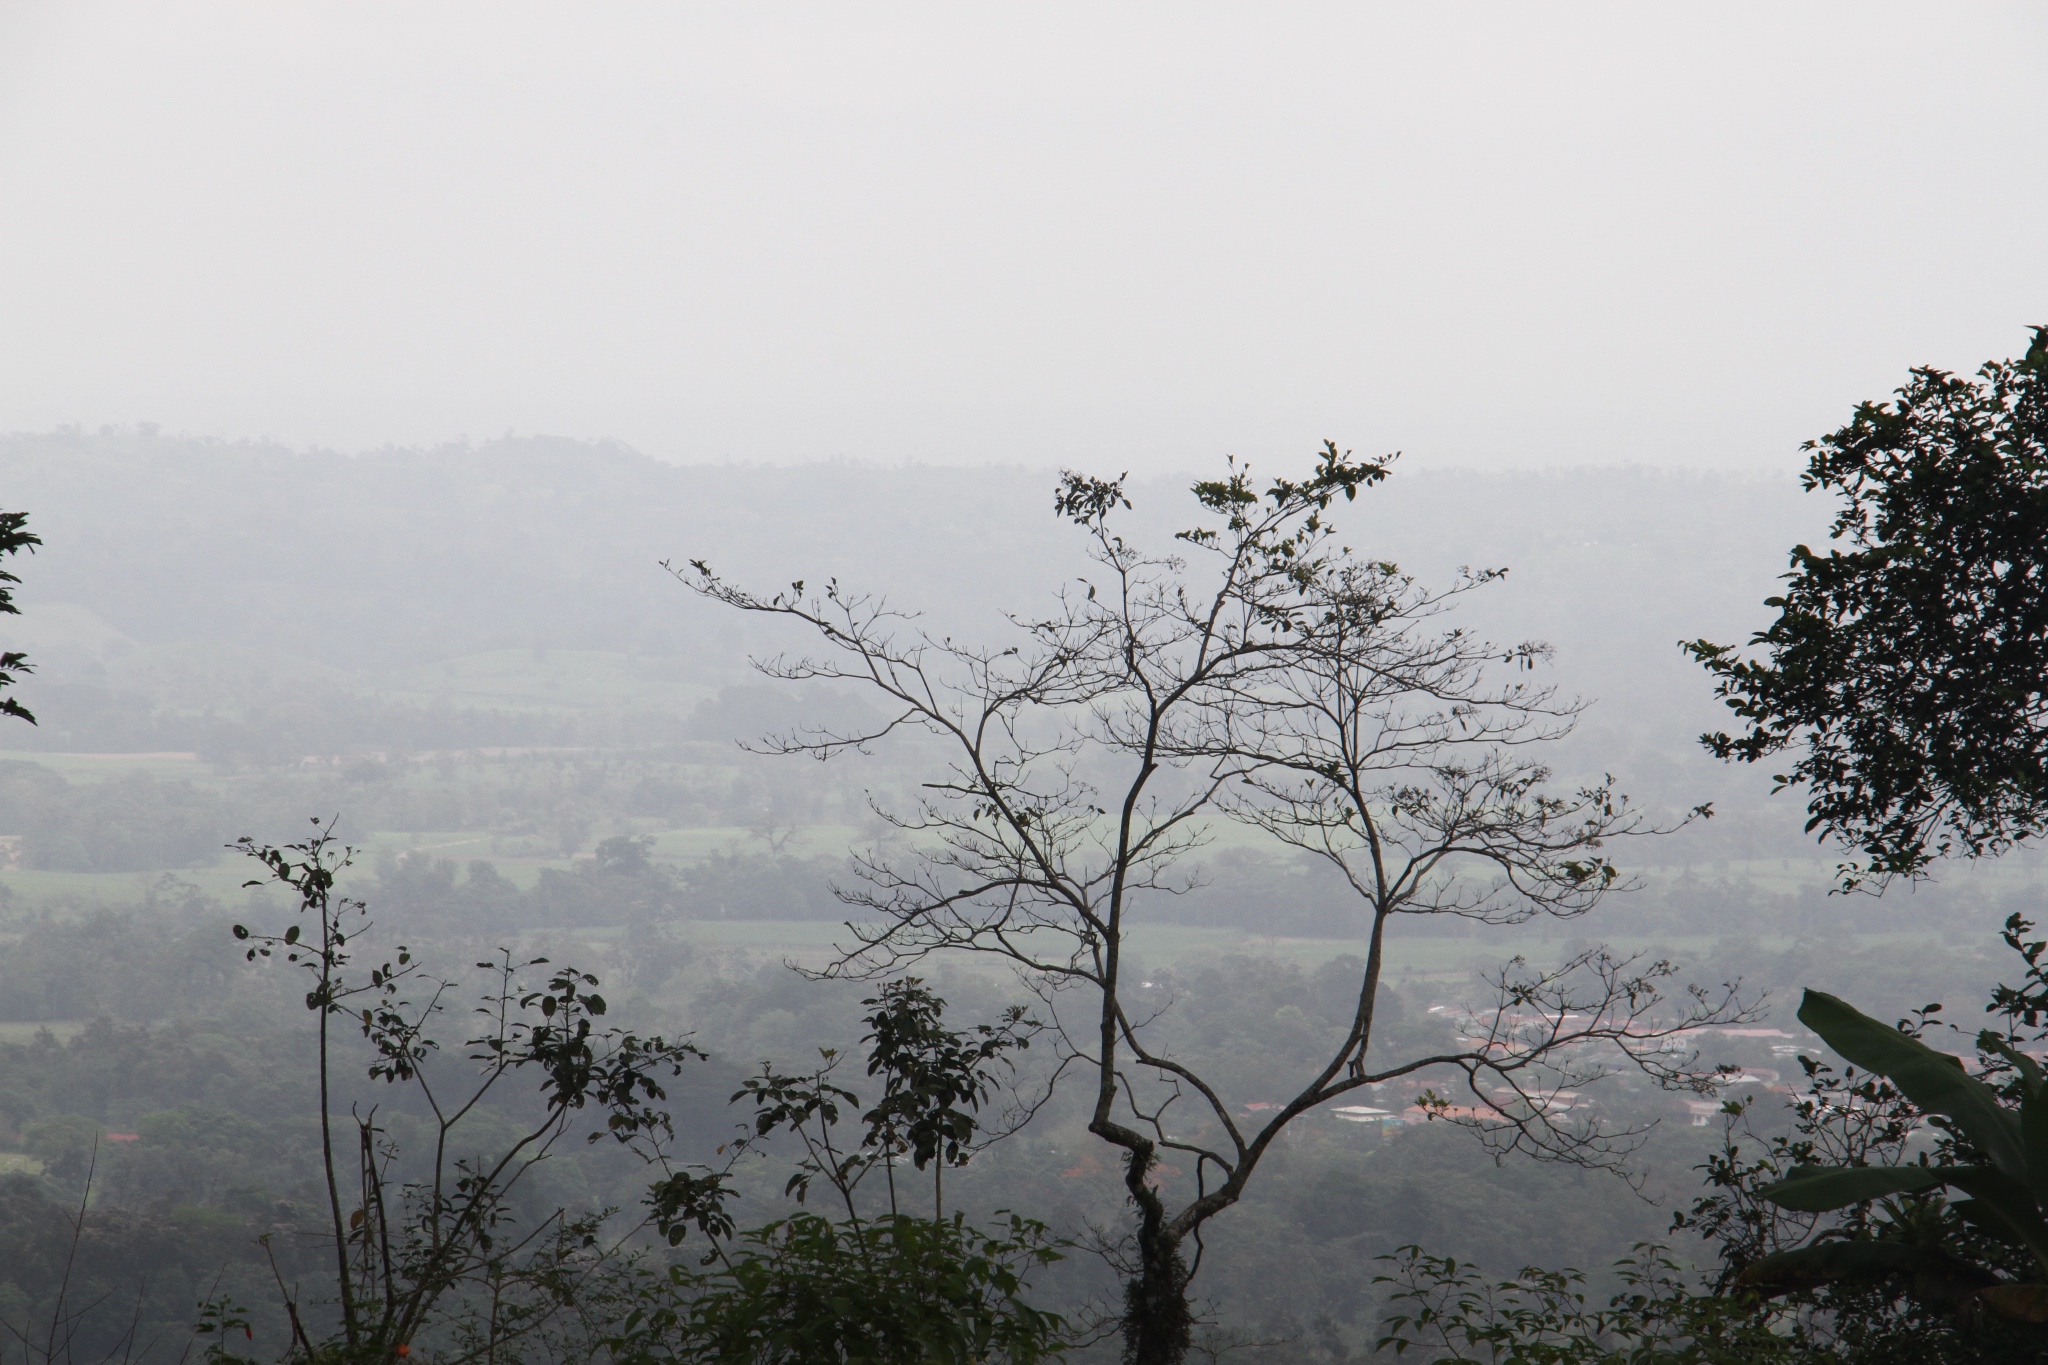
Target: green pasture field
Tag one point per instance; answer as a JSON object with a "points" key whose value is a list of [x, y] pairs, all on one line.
{"points": [[582, 680], [555, 680], [223, 881], [62, 1029], [100, 767], [1419, 959]]}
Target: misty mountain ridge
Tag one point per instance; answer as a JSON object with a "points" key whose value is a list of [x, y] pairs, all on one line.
{"points": [[380, 561]]}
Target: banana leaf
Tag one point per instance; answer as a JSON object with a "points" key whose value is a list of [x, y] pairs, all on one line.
{"points": [[1825, 1262], [2021, 1302], [1934, 1081], [1999, 1202], [1823, 1189]]}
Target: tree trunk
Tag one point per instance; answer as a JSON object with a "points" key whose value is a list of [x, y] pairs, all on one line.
{"points": [[1158, 1325]]}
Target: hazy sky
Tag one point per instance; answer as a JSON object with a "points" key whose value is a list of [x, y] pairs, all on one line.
{"points": [[1508, 235]]}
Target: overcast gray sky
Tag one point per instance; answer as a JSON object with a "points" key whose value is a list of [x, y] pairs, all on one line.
{"points": [[1501, 235]]}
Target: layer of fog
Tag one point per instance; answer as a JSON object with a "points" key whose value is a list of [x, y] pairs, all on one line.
{"points": [[1489, 233]]}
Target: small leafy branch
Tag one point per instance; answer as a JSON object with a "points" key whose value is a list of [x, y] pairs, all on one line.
{"points": [[221, 1321], [439, 1256]]}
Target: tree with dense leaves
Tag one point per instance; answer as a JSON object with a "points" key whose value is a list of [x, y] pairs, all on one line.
{"points": [[14, 538], [1908, 666]]}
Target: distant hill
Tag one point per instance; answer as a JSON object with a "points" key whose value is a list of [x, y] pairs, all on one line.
{"points": [[203, 575]]}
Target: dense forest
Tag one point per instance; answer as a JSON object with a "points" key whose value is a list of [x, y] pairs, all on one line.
{"points": [[471, 665]]}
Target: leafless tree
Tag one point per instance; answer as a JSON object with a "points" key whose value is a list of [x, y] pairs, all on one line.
{"points": [[1267, 674]]}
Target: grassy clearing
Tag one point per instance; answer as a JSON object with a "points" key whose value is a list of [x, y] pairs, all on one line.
{"points": [[100, 767], [63, 1029], [1422, 960], [119, 889], [556, 680]]}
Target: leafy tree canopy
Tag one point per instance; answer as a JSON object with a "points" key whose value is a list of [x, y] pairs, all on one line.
{"points": [[1907, 666], [14, 538]]}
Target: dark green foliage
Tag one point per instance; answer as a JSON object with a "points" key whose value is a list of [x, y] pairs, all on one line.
{"points": [[14, 538], [1837, 1244], [176, 1210], [119, 1076], [934, 1079], [618, 886], [897, 1290], [131, 966], [121, 1267], [1994, 1150], [1907, 670], [1850, 1234], [868, 1288], [739, 885], [1459, 1316]]}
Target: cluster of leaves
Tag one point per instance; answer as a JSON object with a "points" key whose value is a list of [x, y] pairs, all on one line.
{"points": [[1839, 1217], [1896, 1278], [1982, 1151]]}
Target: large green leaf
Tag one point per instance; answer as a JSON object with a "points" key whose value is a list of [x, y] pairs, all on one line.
{"points": [[2022, 1302], [1987, 1220], [2033, 1112], [1935, 1081], [2029, 1069], [1823, 1189], [1808, 1267], [2034, 1137], [1999, 1200]]}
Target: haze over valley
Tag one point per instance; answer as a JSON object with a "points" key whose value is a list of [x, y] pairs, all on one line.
{"points": [[1079, 713]]}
